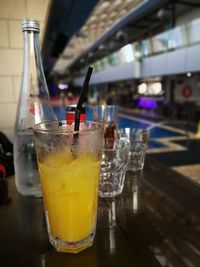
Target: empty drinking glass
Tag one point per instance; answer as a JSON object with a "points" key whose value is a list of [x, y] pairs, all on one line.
{"points": [[138, 139], [113, 167]]}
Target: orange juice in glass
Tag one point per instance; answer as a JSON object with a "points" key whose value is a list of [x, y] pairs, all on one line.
{"points": [[69, 166]]}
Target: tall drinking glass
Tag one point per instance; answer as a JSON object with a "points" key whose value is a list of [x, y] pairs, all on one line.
{"points": [[69, 165]]}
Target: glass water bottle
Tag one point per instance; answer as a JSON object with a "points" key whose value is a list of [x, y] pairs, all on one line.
{"points": [[33, 107]]}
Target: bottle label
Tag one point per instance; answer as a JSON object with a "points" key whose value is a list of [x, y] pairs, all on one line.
{"points": [[70, 118], [32, 109], [70, 114]]}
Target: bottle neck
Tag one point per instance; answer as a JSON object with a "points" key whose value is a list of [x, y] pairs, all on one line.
{"points": [[30, 67], [34, 102], [33, 69]]}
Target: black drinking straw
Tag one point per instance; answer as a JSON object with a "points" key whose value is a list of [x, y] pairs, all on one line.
{"points": [[81, 99], [78, 109]]}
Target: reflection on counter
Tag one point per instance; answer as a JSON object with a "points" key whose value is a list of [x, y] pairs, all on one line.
{"points": [[32, 224], [177, 230], [112, 224], [108, 212], [112, 212], [134, 183]]}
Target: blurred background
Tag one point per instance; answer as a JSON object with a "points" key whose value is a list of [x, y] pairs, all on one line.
{"points": [[145, 56]]}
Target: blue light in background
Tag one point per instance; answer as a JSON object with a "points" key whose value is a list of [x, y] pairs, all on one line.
{"points": [[149, 103], [53, 88]]}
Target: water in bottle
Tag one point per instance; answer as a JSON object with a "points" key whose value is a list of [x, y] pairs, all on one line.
{"points": [[33, 107]]}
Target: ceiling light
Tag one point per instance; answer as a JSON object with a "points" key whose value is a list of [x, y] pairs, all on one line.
{"points": [[189, 74], [117, 3], [104, 16], [62, 86], [92, 19], [155, 88], [142, 88], [91, 54], [102, 47], [104, 5]]}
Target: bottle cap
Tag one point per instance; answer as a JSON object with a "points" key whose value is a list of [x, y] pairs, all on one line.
{"points": [[30, 25]]}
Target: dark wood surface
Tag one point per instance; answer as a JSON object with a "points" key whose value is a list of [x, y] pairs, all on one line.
{"points": [[154, 222]]}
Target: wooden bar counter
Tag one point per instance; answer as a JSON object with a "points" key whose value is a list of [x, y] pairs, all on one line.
{"points": [[154, 222]]}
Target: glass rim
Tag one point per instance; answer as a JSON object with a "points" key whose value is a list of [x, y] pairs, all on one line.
{"points": [[107, 106], [66, 130], [122, 140], [136, 130]]}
